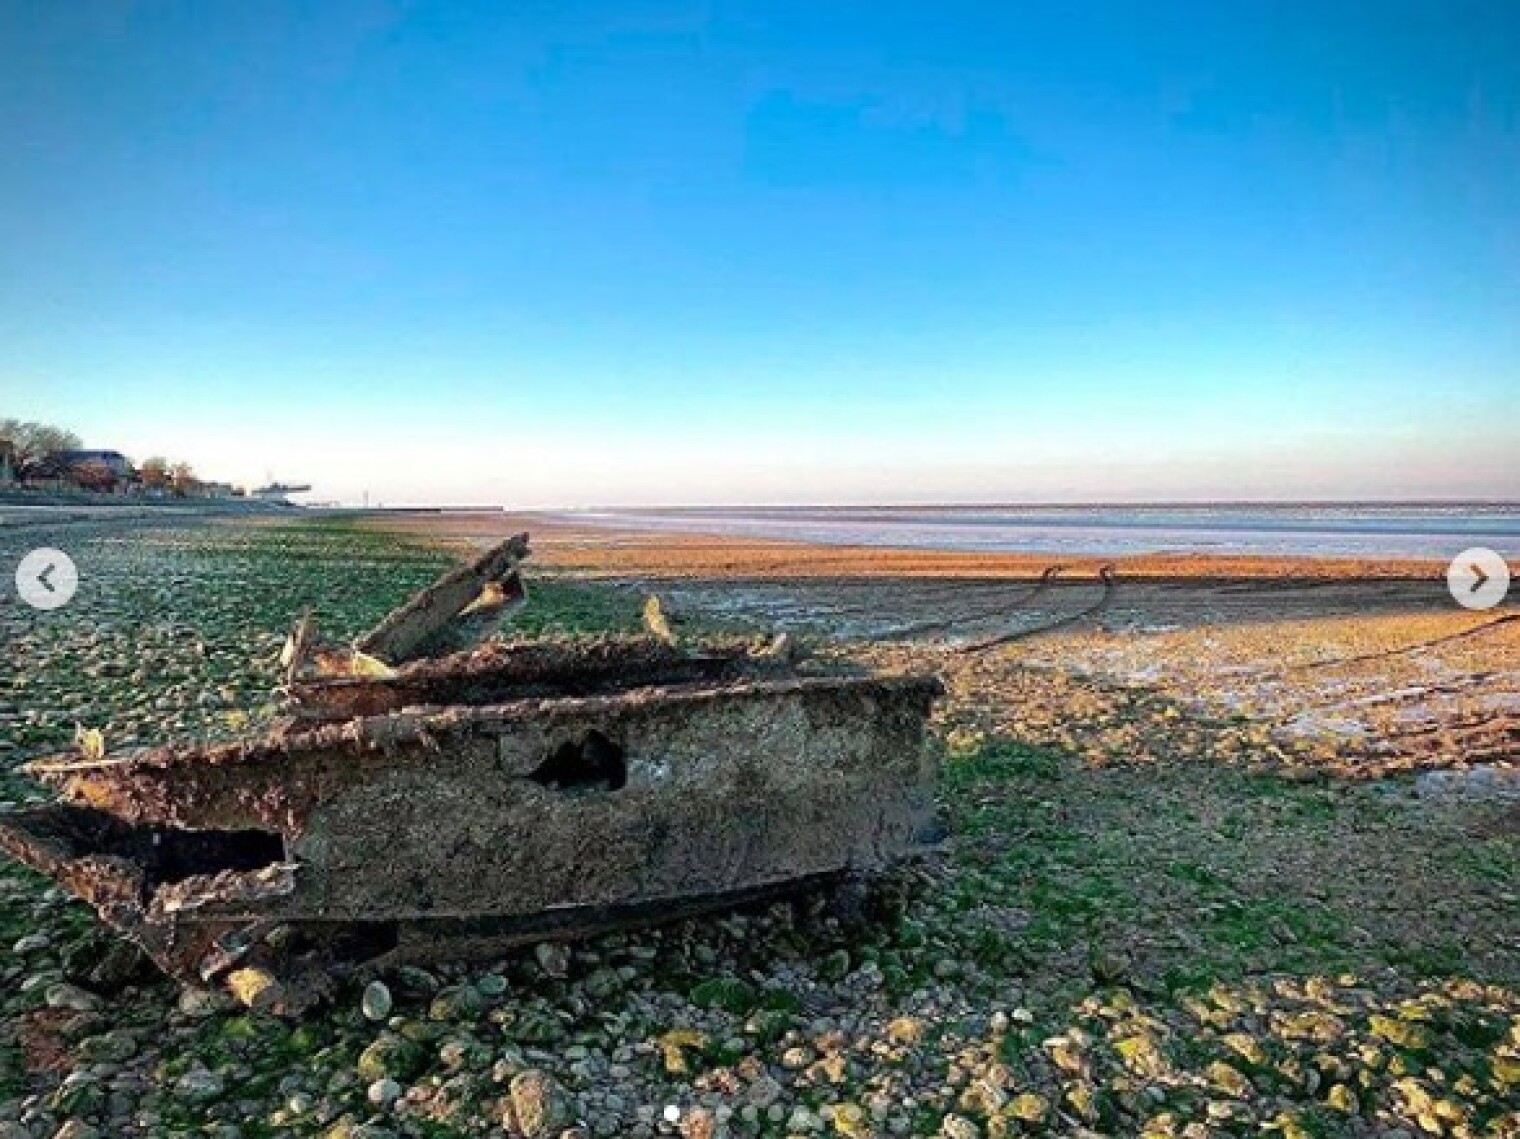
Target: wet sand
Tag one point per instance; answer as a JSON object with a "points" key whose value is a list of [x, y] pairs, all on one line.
{"points": [[614, 550]]}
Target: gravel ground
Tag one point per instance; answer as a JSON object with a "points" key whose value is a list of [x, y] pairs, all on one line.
{"points": [[1153, 919]]}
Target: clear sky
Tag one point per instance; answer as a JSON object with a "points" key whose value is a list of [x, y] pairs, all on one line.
{"points": [[565, 253]]}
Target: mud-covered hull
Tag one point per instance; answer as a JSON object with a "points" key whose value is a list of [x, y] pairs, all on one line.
{"points": [[468, 827]]}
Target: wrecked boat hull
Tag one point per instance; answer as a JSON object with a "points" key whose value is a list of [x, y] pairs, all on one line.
{"points": [[428, 833], [420, 807]]}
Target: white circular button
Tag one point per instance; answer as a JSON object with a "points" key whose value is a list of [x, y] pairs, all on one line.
{"points": [[1478, 578], [47, 578]]}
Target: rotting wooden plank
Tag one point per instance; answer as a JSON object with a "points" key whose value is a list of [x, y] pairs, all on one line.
{"points": [[407, 629]]}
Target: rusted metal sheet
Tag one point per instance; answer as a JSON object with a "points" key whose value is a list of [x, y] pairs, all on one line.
{"points": [[450, 808]]}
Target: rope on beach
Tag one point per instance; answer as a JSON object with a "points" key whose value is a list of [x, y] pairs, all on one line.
{"points": [[1110, 582], [940, 624], [1473, 631], [1339, 700], [919, 592]]}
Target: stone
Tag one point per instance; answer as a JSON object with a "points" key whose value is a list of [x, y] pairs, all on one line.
{"points": [[538, 1104], [77, 1129], [198, 1004], [905, 1030], [959, 1127], [66, 996], [383, 1093], [698, 1123], [553, 958], [764, 1091], [200, 1084], [376, 1003], [108, 1048], [492, 985], [391, 1057]]}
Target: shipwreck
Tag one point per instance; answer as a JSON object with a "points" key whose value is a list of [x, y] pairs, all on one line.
{"points": [[436, 793]]}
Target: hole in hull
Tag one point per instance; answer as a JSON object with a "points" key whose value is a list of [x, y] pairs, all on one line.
{"points": [[184, 854], [165, 854], [591, 765]]}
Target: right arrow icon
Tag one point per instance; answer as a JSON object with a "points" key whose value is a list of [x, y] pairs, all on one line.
{"points": [[1478, 578]]}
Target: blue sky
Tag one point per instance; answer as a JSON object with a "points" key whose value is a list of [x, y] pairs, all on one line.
{"points": [[562, 253]]}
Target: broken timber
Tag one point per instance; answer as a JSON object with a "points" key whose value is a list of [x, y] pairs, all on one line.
{"points": [[450, 808], [409, 628]]}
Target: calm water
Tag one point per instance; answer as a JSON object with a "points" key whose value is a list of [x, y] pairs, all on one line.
{"points": [[1350, 530]]}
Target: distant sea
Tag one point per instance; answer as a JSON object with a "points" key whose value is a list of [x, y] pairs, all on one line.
{"points": [[1346, 530]]}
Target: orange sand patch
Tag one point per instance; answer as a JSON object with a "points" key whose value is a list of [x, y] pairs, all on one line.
{"points": [[565, 544]]}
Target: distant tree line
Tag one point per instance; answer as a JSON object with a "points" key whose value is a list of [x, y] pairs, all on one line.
{"points": [[30, 450], [28, 442]]}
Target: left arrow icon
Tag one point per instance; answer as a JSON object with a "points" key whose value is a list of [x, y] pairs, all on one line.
{"points": [[47, 578]]}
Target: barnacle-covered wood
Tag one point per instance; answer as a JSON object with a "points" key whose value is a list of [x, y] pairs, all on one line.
{"points": [[407, 630]]}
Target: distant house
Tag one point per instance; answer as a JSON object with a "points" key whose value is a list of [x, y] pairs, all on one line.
{"points": [[80, 470], [47, 473], [113, 461]]}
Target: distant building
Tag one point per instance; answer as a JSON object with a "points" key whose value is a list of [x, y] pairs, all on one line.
{"points": [[278, 491], [113, 461], [47, 473]]}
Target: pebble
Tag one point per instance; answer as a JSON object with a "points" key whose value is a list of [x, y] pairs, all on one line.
{"points": [[66, 996], [538, 1105], [200, 1084], [77, 1129], [553, 958], [376, 1003], [383, 1093]]}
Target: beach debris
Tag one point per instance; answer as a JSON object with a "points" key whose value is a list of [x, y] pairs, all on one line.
{"points": [[491, 583], [656, 621], [415, 809], [306, 656], [461, 610], [91, 742]]}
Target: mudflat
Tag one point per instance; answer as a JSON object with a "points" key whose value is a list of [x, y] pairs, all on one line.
{"points": [[1235, 850], [1348, 665]]}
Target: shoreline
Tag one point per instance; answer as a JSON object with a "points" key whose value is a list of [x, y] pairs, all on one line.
{"points": [[614, 550]]}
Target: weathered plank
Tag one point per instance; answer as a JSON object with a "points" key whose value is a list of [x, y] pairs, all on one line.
{"points": [[409, 628]]}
